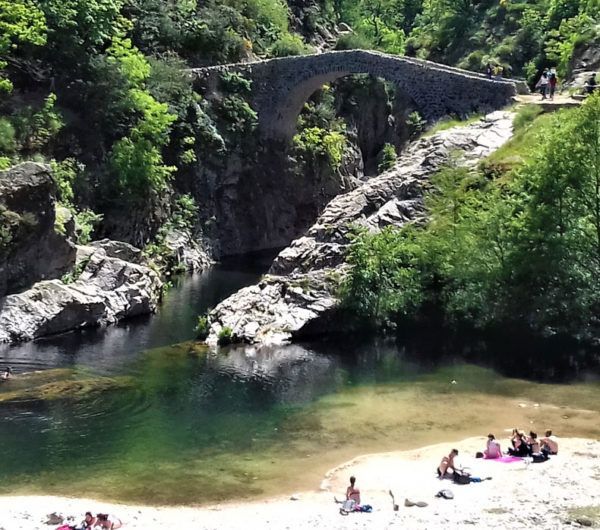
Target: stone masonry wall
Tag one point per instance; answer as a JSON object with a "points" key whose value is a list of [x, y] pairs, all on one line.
{"points": [[281, 86]]}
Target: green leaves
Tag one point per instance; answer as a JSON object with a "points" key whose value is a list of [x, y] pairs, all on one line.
{"points": [[522, 249]]}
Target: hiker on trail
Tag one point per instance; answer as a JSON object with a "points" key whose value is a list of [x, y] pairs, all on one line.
{"points": [[352, 492], [542, 84], [591, 84], [493, 448], [489, 70], [552, 80], [447, 463]]}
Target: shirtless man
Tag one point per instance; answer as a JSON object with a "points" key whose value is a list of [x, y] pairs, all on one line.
{"points": [[6, 374], [352, 492], [549, 443], [447, 463], [108, 522]]}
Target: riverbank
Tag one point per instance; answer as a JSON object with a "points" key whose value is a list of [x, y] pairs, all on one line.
{"points": [[518, 496]]}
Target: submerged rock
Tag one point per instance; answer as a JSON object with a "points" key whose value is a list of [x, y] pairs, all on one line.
{"points": [[108, 290], [299, 297]]}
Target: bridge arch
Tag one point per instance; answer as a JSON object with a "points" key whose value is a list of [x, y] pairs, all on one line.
{"points": [[280, 87]]}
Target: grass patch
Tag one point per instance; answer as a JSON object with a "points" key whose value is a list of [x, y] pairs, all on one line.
{"points": [[591, 513], [448, 123], [529, 132]]}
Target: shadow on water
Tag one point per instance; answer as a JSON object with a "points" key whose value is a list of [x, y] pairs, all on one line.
{"points": [[110, 348]]}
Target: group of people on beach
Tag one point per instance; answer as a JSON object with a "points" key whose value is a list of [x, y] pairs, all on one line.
{"points": [[521, 445], [101, 521]]}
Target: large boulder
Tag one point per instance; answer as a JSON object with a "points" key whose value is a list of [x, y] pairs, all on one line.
{"points": [[108, 290], [30, 248], [299, 297], [186, 251]]}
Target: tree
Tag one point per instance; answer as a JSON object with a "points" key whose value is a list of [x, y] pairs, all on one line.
{"points": [[21, 22]]}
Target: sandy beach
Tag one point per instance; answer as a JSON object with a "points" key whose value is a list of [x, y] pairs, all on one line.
{"points": [[520, 495]]}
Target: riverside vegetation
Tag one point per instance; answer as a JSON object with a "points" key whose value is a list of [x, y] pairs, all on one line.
{"points": [[99, 86], [513, 244]]}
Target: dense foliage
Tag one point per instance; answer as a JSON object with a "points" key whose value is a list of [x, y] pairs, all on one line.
{"points": [[522, 248], [522, 36]]}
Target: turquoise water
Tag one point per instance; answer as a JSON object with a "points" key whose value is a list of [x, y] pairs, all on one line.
{"points": [[128, 415]]}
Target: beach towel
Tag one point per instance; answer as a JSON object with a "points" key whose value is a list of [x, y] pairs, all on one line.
{"points": [[507, 459]]}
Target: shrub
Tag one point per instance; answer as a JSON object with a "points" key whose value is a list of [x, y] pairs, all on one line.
{"points": [[202, 328], [416, 124], [315, 143], [225, 336], [7, 136], [235, 83], [353, 41], [388, 158], [288, 45], [525, 115], [239, 116], [85, 222]]}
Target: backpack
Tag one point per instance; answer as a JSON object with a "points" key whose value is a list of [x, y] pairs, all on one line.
{"points": [[459, 478]]}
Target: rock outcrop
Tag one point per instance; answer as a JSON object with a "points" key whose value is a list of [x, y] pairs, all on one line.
{"points": [[188, 253], [299, 295], [108, 290], [30, 248]]}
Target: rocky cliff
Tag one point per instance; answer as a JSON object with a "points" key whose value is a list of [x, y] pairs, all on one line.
{"points": [[99, 284], [298, 297], [30, 248]]}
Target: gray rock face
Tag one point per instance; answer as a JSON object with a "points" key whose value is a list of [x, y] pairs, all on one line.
{"points": [[30, 249], [108, 290], [189, 254], [298, 298], [119, 249]]}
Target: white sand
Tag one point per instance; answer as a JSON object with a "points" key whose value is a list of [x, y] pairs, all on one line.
{"points": [[519, 496]]}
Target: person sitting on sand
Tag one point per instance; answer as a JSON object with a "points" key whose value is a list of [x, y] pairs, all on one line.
{"points": [[533, 443], [88, 522], [447, 464], [493, 448], [352, 492], [549, 444], [519, 447], [110, 522], [6, 374]]}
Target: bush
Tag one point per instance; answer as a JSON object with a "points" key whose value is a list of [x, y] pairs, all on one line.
{"points": [[288, 45], [85, 223], [388, 158], [225, 336], [315, 144], [202, 328], [416, 124], [353, 41], [235, 83], [525, 115], [239, 116], [7, 137]]}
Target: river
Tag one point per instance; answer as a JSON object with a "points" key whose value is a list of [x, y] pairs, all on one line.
{"points": [[141, 413]]}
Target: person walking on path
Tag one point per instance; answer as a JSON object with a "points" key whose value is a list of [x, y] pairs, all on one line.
{"points": [[489, 70], [542, 84], [552, 80]]}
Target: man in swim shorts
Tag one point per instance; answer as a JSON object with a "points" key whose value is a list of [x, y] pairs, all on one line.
{"points": [[447, 463]]}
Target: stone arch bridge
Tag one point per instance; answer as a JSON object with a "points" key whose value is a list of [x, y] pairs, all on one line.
{"points": [[281, 86]]}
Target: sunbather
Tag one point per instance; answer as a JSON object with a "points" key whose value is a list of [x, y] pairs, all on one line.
{"points": [[519, 446], [110, 522], [493, 448], [549, 444], [352, 492], [447, 464]]}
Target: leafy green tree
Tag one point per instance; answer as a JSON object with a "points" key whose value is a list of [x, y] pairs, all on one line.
{"points": [[21, 23]]}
